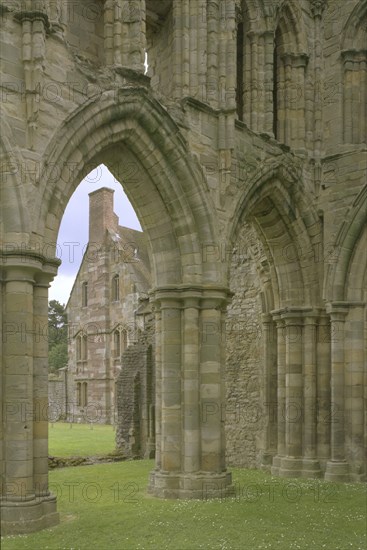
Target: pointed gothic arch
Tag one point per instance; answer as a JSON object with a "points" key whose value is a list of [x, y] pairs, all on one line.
{"points": [[156, 170], [354, 32], [343, 261], [274, 203], [345, 290], [137, 139]]}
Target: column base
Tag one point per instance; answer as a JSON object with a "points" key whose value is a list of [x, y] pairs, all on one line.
{"points": [[291, 467], [18, 518], [266, 461], [150, 448], [201, 486], [276, 465], [311, 468], [337, 471]]}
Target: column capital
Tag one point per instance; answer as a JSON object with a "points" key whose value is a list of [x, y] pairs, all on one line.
{"points": [[277, 318], [293, 315], [33, 15], [267, 318], [338, 310], [312, 317], [27, 265], [189, 296], [268, 34], [351, 56], [295, 60]]}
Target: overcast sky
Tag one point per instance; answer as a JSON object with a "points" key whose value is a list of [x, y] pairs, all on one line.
{"points": [[73, 234]]}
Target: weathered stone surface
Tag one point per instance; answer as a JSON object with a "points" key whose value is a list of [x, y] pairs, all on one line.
{"points": [[250, 124]]}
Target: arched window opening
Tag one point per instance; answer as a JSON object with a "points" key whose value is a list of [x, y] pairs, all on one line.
{"points": [[85, 394], [78, 394], [84, 294], [82, 394], [117, 343], [120, 342], [116, 288], [124, 342], [78, 349], [81, 347]]}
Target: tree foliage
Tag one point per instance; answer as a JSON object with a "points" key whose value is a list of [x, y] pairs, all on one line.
{"points": [[58, 357], [57, 336]]}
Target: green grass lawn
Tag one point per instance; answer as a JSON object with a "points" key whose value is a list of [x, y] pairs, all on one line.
{"points": [[80, 439], [105, 507]]}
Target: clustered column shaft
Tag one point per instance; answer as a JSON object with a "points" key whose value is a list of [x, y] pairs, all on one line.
{"points": [[125, 34], [24, 385], [190, 393]]}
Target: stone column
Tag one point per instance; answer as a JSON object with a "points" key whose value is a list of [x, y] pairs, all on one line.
{"points": [[354, 379], [317, 9], [35, 25], [280, 107], [280, 394], [137, 35], [291, 465], [210, 386], [157, 405], [261, 83], [269, 82], [269, 392], [191, 386], [18, 383], [40, 384], [254, 82], [212, 52], [231, 54], [337, 468], [190, 454], [287, 99], [171, 385], [125, 33], [24, 507], [311, 466], [299, 125], [165, 479], [202, 21], [323, 388], [215, 481], [348, 98]]}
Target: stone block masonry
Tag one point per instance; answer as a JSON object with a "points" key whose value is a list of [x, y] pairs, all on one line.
{"points": [[249, 127]]}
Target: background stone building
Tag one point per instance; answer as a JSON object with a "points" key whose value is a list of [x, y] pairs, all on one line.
{"points": [[243, 153], [113, 279]]}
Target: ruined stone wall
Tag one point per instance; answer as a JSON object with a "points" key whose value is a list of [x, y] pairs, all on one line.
{"points": [[85, 30], [57, 398], [135, 386], [244, 420]]}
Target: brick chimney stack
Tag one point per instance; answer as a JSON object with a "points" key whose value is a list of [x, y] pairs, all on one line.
{"points": [[101, 214]]}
